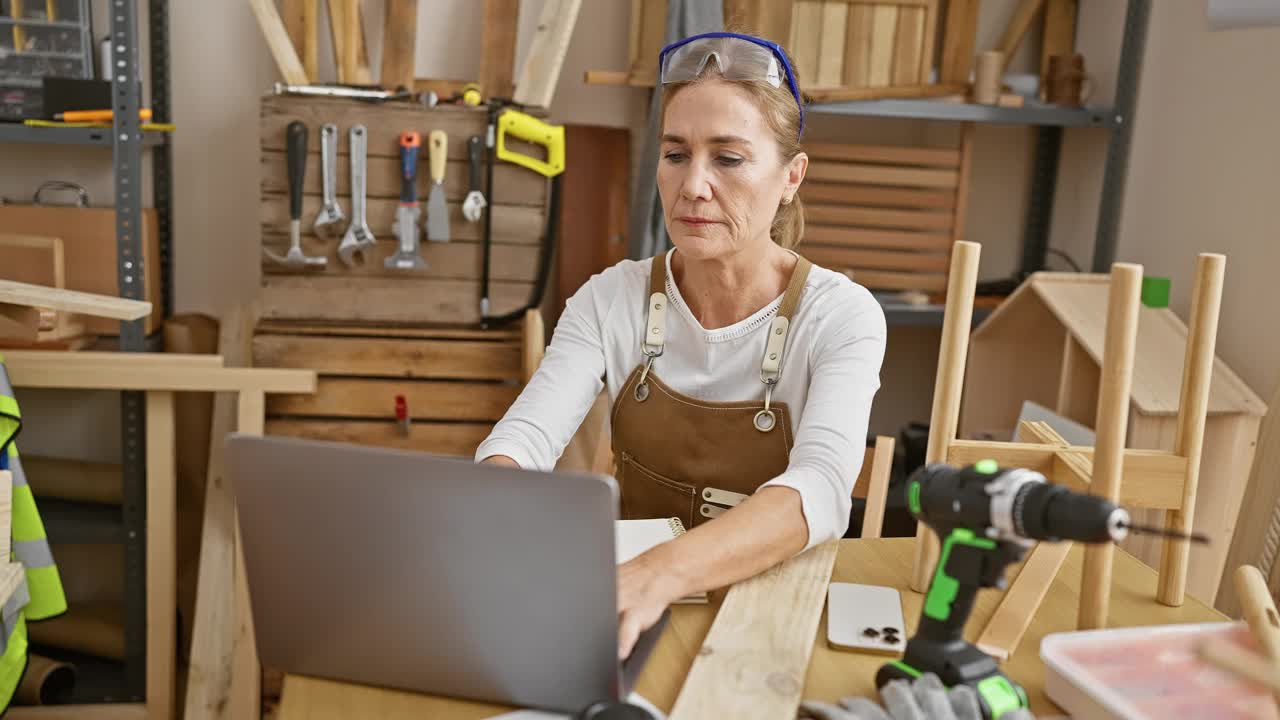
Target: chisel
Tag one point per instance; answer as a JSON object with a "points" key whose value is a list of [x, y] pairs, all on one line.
{"points": [[437, 210]]}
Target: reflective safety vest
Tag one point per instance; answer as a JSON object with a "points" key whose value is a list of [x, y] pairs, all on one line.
{"points": [[40, 596]]}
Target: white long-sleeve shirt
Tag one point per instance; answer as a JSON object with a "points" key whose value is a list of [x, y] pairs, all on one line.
{"points": [[830, 374]]}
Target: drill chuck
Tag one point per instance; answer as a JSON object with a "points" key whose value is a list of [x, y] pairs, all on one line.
{"points": [[1052, 512]]}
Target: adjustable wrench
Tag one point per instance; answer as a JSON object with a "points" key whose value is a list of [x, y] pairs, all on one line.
{"points": [[407, 257], [359, 239], [330, 213]]}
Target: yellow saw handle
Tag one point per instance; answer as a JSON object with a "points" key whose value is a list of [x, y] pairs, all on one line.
{"points": [[532, 130]]}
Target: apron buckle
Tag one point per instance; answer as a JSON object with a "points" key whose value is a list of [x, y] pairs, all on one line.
{"points": [[642, 387], [765, 420]]}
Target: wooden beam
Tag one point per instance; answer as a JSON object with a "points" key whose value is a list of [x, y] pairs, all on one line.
{"points": [[399, 44], [156, 376], [1113, 422], [1193, 408], [498, 48], [845, 94], [293, 15], [878, 488], [754, 659], [311, 40], [277, 37], [16, 293], [959, 38], [162, 568], [957, 319], [1059, 34], [1013, 615], [89, 360], [350, 58], [1023, 16], [541, 71]]}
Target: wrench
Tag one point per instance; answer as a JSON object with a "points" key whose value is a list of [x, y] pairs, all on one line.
{"points": [[359, 239], [296, 149], [330, 213]]}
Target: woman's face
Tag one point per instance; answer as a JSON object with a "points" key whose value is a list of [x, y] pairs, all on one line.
{"points": [[721, 174]]}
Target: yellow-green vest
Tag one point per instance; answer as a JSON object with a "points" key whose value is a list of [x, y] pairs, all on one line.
{"points": [[41, 595]]}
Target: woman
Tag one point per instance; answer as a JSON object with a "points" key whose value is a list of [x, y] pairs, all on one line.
{"points": [[691, 346]]}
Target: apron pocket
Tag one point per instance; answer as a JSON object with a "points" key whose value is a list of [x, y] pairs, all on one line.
{"points": [[647, 494]]}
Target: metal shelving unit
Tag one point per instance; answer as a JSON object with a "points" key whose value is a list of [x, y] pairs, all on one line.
{"points": [[1050, 122], [83, 522]]}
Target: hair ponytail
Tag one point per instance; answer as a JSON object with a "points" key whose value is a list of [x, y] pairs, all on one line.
{"points": [[788, 224]]}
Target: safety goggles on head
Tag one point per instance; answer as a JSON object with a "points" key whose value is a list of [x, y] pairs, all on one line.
{"points": [[737, 57]]}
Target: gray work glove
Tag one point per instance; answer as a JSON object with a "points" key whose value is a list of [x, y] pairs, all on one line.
{"points": [[924, 698]]}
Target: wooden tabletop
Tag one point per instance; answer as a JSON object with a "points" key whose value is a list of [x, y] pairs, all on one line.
{"points": [[832, 673]]}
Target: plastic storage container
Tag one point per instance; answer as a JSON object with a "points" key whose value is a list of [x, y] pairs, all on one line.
{"points": [[40, 38], [1150, 672]]}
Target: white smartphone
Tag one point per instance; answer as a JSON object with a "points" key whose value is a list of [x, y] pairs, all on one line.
{"points": [[866, 618]]}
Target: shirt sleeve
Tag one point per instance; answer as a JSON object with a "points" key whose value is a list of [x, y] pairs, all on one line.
{"points": [[831, 439], [544, 417]]}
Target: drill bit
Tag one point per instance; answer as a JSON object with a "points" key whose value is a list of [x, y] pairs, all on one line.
{"points": [[1162, 532]]}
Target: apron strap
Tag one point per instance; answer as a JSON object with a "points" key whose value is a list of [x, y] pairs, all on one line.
{"points": [[771, 365], [655, 332]]}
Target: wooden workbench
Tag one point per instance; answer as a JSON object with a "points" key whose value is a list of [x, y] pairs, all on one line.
{"points": [[832, 674]]}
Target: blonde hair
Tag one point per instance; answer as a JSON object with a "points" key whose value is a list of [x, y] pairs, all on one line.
{"points": [[783, 115]]}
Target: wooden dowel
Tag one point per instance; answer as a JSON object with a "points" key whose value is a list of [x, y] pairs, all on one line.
{"points": [[1197, 371], [1259, 609], [1112, 424], [878, 488], [1238, 661], [957, 319]]}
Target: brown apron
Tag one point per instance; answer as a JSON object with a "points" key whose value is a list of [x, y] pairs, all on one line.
{"points": [[676, 456]]}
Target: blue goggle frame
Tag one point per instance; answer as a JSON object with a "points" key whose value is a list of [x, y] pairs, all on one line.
{"points": [[772, 46]]}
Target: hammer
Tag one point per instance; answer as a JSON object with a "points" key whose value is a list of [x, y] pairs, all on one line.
{"points": [[296, 148]]}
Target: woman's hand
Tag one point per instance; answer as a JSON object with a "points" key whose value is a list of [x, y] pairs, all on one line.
{"points": [[646, 586]]}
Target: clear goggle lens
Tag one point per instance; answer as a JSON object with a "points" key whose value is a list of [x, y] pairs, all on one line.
{"points": [[736, 59]]}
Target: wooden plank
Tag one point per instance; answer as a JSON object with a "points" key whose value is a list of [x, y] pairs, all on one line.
{"points": [[908, 47], [887, 154], [1023, 16], [293, 15], [342, 299], [460, 439], [959, 38], [282, 50], [246, 674], [16, 293], [451, 261], [89, 360], [648, 33], [816, 235], [948, 385], [875, 196], [540, 73], [311, 39], [1193, 408], [593, 209], [514, 185], [162, 568], [1256, 540], [107, 711], [762, 637], [349, 58], [878, 487], [1019, 604], [845, 258], [1059, 33], [153, 376], [427, 400], [1033, 456], [884, 28], [384, 122], [888, 280], [210, 683], [1113, 419], [831, 39], [498, 47], [511, 223], [844, 94], [769, 19], [401, 358], [421, 333], [857, 46], [878, 217], [882, 175], [806, 31], [400, 42]]}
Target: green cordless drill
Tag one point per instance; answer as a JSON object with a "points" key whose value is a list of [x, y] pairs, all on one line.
{"points": [[987, 517]]}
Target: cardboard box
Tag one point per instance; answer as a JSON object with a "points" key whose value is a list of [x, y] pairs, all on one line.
{"points": [[89, 238]]}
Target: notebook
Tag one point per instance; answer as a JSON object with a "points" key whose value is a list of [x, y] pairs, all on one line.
{"points": [[634, 537]]}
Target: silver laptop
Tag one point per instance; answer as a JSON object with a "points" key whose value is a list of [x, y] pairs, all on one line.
{"points": [[432, 574]]}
